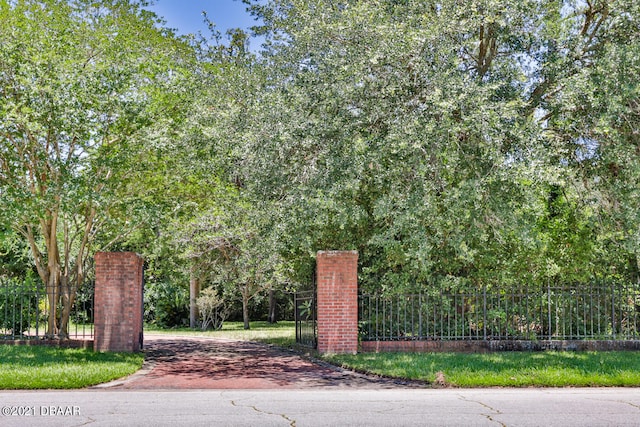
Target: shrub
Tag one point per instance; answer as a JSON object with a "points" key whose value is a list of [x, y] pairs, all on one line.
{"points": [[166, 305], [212, 307]]}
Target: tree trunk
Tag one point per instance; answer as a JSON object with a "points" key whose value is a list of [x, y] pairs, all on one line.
{"points": [[73, 277], [272, 306], [52, 296], [194, 292], [62, 282], [245, 306], [67, 296], [49, 280], [49, 230]]}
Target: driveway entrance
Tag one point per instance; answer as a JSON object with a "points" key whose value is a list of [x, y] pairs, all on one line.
{"points": [[215, 363]]}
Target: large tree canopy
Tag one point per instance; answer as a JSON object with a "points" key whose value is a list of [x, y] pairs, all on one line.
{"points": [[487, 142], [80, 82], [479, 143]]}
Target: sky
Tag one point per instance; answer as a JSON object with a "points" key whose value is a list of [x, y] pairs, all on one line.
{"points": [[185, 16]]}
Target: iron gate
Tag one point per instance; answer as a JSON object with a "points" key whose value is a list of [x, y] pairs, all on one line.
{"points": [[305, 315]]}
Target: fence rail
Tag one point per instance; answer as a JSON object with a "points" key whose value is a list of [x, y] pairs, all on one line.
{"points": [[24, 311], [553, 312]]}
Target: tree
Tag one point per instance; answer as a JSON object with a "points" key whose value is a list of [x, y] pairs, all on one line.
{"points": [[216, 219], [382, 126], [593, 114], [233, 251], [431, 137], [81, 82]]}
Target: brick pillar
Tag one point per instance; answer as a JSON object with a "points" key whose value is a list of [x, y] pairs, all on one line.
{"points": [[337, 301], [118, 302]]}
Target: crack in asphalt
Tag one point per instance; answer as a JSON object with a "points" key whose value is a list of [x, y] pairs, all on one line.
{"points": [[292, 423], [484, 405], [633, 405], [89, 421], [629, 403]]}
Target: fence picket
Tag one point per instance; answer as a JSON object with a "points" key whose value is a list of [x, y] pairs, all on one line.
{"points": [[552, 312], [24, 311]]}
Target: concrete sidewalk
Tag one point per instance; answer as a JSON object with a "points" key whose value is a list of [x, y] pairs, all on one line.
{"points": [[174, 362]]}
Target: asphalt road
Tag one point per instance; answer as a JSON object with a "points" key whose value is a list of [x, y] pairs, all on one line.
{"points": [[411, 407]]}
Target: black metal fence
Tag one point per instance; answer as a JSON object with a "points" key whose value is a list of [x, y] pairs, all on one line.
{"points": [[305, 316], [597, 311], [24, 311]]}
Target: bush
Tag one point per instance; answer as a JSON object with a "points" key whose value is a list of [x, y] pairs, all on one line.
{"points": [[166, 305], [213, 309]]}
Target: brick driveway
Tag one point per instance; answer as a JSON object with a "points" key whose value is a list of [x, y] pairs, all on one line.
{"points": [[216, 363]]}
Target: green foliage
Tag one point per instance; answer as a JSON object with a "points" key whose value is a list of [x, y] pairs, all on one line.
{"points": [[14, 255], [84, 85], [166, 305], [305, 309], [442, 142], [493, 144], [232, 252]]}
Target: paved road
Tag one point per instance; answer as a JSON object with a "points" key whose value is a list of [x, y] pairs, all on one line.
{"points": [[321, 407]]}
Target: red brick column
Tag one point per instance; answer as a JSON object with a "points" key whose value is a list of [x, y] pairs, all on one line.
{"points": [[118, 302], [337, 301]]}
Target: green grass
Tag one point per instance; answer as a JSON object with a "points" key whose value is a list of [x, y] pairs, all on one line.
{"points": [[282, 333], [513, 369], [42, 367]]}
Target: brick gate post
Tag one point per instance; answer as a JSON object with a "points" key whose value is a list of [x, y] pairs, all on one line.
{"points": [[118, 302], [337, 301]]}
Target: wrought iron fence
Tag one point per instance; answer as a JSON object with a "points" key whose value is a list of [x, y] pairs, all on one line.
{"points": [[596, 311], [305, 316], [24, 311]]}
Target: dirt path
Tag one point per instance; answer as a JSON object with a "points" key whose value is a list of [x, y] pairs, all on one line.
{"points": [[214, 363]]}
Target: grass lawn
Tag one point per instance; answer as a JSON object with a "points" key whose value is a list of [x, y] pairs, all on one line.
{"points": [[282, 333], [512, 369], [42, 367]]}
